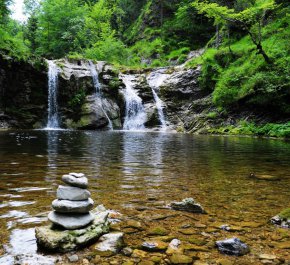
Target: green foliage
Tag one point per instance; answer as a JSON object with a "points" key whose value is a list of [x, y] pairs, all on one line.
{"points": [[248, 128], [78, 99], [239, 76], [212, 115]]}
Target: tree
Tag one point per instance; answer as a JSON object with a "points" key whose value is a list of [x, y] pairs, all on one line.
{"points": [[61, 27], [250, 19]]}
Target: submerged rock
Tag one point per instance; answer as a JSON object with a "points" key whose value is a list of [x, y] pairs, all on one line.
{"points": [[75, 181], [59, 240], [233, 246], [282, 219], [70, 221], [109, 244], [72, 193], [154, 246], [67, 206], [187, 205], [264, 177]]}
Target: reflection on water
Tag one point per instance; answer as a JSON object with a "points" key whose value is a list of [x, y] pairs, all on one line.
{"points": [[126, 168]]}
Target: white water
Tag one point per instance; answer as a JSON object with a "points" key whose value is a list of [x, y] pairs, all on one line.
{"points": [[159, 106], [155, 80], [135, 113], [53, 120], [98, 89]]}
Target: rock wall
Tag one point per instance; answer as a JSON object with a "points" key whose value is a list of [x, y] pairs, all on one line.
{"points": [[23, 93], [23, 102]]}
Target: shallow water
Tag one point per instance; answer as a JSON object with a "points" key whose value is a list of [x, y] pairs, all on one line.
{"points": [[137, 174]]}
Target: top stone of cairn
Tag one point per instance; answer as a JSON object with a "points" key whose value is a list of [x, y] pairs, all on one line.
{"points": [[76, 180]]}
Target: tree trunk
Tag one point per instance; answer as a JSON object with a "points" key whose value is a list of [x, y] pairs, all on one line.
{"points": [[263, 53]]}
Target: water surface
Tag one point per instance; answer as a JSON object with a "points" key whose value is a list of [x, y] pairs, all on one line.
{"points": [[138, 173]]}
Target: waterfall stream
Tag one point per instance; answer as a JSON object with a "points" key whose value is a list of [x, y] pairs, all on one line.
{"points": [[53, 119], [155, 79], [98, 91], [135, 112]]}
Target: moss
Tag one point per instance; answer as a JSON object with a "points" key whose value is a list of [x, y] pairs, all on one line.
{"points": [[158, 231], [285, 214]]}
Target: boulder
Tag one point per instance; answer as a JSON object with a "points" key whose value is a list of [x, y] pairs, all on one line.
{"points": [[187, 205], [59, 240], [66, 206], [72, 193], [232, 246], [76, 182], [109, 244], [71, 221]]}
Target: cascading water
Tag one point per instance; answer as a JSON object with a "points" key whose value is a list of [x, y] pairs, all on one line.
{"points": [[53, 120], [159, 106], [155, 79], [135, 112], [98, 89]]}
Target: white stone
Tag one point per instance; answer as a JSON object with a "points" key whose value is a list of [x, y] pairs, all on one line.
{"points": [[72, 193], [77, 175], [76, 182], [71, 221], [66, 206]]}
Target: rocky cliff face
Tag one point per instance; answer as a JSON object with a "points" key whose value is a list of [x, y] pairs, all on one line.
{"points": [[24, 96], [23, 93]]}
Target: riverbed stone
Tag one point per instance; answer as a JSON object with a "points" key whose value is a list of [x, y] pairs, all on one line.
{"points": [[109, 244], [60, 240], [72, 193], [282, 219], [180, 259], [74, 181], [232, 246], [66, 206], [187, 205], [70, 221], [154, 246]]}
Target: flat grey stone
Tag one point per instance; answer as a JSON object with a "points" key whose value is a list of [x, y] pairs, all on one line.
{"points": [[109, 244], [76, 182], [66, 206], [71, 221], [59, 240], [72, 193], [77, 175]]}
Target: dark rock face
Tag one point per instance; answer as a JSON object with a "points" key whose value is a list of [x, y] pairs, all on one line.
{"points": [[232, 246], [23, 93]]}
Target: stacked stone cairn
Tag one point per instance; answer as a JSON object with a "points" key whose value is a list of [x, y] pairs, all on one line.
{"points": [[73, 204]]}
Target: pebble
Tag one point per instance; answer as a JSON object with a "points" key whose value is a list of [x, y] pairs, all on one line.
{"points": [[267, 256], [73, 258]]}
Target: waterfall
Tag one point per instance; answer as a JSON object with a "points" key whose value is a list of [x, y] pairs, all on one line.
{"points": [[159, 106], [98, 91], [155, 79], [53, 120], [135, 112]]}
